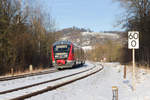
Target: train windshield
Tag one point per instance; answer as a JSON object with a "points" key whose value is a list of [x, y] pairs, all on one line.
{"points": [[61, 48]]}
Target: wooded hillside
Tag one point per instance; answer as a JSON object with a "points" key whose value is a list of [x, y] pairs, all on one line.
{"points": [[26, 35]]}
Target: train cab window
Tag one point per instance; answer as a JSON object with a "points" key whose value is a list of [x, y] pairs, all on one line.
{"points": [[61, 48]]}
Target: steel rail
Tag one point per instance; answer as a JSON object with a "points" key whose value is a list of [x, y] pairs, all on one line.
{"points": [[40, 83], [49, 88], [27, 75]]}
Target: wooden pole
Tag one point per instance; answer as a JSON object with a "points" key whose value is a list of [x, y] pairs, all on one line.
{"points": [[133, 73], [125, 71], [30, 68], [12, 71]]}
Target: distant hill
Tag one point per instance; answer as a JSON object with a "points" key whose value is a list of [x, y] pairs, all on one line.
{"points": [[86, 38], [73, 30]]}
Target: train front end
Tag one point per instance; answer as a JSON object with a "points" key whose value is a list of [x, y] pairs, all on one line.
{"points": [[62, 54]]}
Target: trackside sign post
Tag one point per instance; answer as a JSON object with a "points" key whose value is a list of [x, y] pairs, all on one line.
{"points": [[133, 40], [133, 43]]}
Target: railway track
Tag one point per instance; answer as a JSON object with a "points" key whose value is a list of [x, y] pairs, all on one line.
{"points": [[28, 75], [50, 84]]}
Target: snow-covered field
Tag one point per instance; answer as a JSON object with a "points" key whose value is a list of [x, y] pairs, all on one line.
{"points": [[11, 84], [100, 33], [94, 87], [99, 87], [87, 48]]}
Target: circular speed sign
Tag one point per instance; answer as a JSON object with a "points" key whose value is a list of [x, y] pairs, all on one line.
{"points": [[133, 39]]}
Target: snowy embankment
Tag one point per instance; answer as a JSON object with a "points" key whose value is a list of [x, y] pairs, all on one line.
{"points": [[36, 79], [99, 86], [94, 87], [5, 85]]}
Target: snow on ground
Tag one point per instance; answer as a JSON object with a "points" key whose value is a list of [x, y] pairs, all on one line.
{"points": [[94, 87], [5, 85], [99, 86], [100, 33], [87, 48]]}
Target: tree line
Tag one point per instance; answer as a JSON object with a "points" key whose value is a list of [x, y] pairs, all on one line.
{"points": [[26, 36], [109, 51], [137, 18]]}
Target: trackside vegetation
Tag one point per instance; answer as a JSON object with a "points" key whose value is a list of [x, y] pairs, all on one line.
{"points": [[26, 35]]}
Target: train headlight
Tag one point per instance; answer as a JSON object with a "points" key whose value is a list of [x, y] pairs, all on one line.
{"points": [[56, 56], [66, 55]]}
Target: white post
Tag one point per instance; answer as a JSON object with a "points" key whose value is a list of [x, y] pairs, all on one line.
{"points": [[133, 43], [133, 71], [30, 68], [115, 92]]}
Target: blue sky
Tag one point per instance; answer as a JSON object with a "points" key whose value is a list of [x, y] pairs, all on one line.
{"points": [[98, 15]]}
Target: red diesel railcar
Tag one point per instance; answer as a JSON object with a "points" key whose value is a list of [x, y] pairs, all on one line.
{"points": [[65, 54]]}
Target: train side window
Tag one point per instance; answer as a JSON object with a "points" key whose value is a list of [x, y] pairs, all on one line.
{"points": [[73, 50]]}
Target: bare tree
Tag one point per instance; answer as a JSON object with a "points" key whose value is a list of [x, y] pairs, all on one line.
{"points": [[138, 18], [26, 35]]}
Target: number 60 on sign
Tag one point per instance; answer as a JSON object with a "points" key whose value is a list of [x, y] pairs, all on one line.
{"points": [[133, 40]]}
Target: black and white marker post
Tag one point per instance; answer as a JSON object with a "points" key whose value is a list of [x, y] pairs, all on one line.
{"points": [[133, 43]]}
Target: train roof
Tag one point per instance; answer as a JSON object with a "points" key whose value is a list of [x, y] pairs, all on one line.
{"points": [[65, 42], [62, 42]]}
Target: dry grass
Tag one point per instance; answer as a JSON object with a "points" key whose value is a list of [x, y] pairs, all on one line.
{"points": [[145, 68], [36, 70], [140, 72]]}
